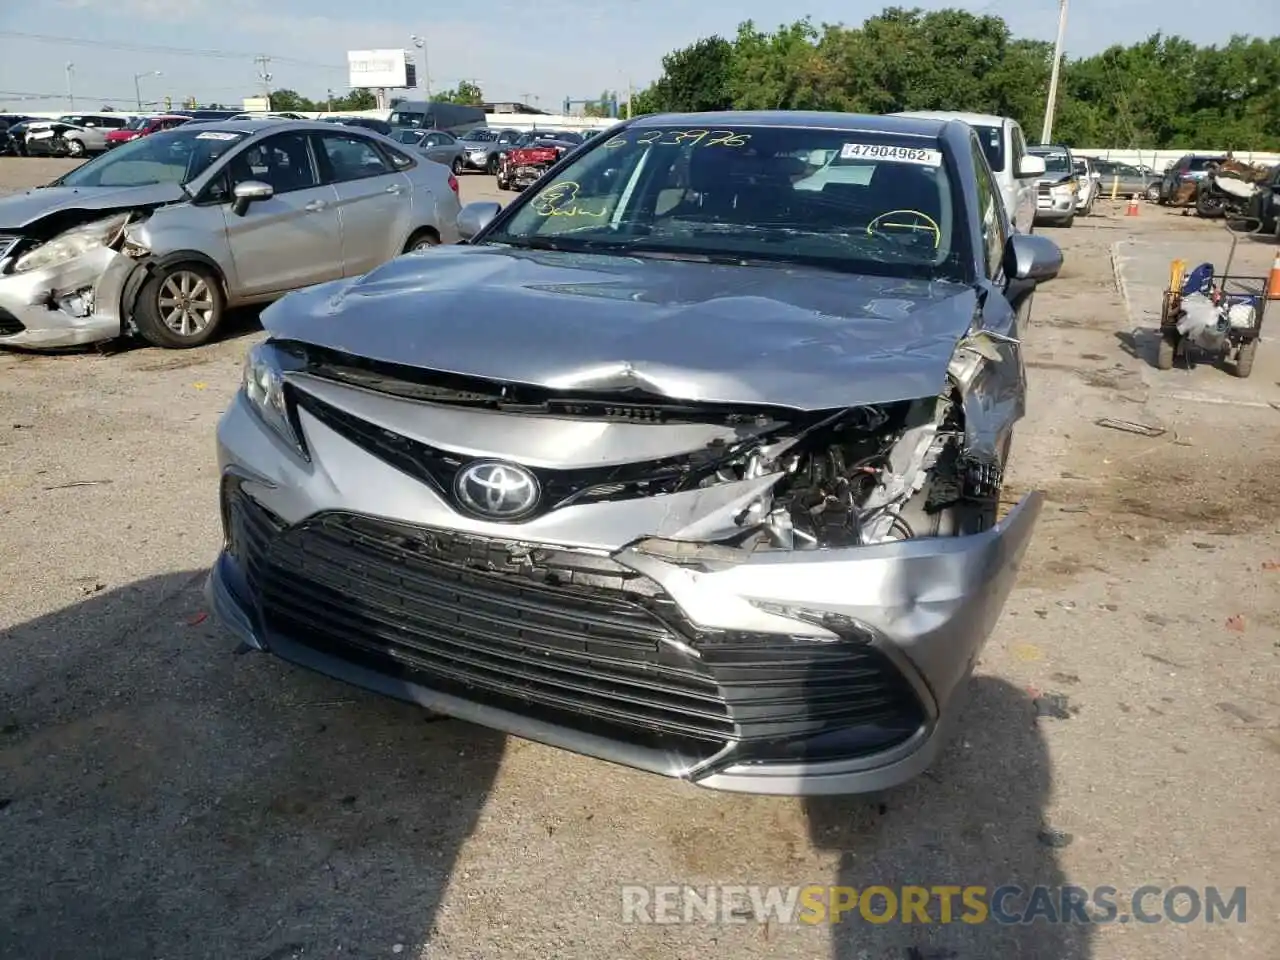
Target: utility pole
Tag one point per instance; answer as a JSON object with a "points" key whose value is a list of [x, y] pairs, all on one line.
{"points": [[421, 44], [264, 75], [1046, 132], [71, 97], [329, 95]]}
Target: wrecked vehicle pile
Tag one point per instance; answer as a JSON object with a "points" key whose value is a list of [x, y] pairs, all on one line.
{"points": [[704, 480]]}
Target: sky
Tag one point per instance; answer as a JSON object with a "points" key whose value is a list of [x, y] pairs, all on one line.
{"points": [[542, 51]]}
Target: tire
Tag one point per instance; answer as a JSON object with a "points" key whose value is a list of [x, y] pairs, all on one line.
{"points": [[159, 312], [456, 166], [422, 240], [1164, 354], [1244, 359], [76, 149], [491, 168], [1153, 193], [1069, 221], [1205, 207]]}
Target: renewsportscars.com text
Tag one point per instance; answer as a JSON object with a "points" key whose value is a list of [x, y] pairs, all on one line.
{"points": [[941, 904]]}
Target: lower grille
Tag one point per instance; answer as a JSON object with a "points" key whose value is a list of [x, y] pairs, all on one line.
{"points": [[9, 324], [573, 640]]}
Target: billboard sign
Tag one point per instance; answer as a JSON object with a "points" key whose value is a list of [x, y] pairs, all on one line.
{"points": [[393, 69]]}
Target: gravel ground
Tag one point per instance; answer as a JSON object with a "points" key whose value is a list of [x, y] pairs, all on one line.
{"points": [[162, 797]]}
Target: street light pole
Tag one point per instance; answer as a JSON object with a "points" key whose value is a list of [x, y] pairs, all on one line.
{"points": [[421, 44], [1046, 132], [137, 87], [71, 97]]}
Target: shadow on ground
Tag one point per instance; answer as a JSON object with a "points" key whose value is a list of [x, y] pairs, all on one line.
{"points": [[975, 819], [163, 797]]}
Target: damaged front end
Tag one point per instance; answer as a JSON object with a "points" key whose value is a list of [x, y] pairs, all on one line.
{"points": [[65, 287], [752, 598]]}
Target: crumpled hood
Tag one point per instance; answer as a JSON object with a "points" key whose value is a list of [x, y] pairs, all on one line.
{"points": [[23, 209], [800, 338]]}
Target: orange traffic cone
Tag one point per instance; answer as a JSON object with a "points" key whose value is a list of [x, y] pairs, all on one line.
{"points": [[1132, 210], [1273, 279]]}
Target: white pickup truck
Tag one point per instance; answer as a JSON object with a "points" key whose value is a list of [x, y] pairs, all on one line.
{"points": [[1015, 170]]}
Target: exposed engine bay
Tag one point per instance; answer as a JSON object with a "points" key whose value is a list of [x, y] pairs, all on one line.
{"points": [[860, 475]]}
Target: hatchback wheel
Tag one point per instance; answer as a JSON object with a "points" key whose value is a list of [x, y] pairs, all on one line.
{"points": [[456, 166], [423, 240], [1153, 192], [75, 148], [180, 307]]}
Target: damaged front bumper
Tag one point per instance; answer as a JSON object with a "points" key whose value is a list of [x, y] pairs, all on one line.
{"points": [[79, 301], [787, 672]]}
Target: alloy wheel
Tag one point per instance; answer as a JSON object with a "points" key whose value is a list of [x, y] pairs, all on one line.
{"points": [[187, 305]]}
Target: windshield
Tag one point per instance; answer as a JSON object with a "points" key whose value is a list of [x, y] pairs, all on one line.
{"points": [[1200, 163], [481, 136], [1054, 162], [174, 156], [992, 140], [865, 203], [409, 136], [137, 123]]}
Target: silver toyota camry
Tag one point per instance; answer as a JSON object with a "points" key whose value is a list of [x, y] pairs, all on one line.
{"points": [[681, 461]]}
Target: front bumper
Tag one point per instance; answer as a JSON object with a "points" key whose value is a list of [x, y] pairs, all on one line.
{"points": [[475, 161], [71, 304], [797, 673]]}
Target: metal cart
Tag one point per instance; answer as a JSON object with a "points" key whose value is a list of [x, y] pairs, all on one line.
{"points": [[1240, 343]]}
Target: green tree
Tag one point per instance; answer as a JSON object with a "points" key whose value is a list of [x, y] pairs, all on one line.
{"points": [[465, 92], [358, 99], [292, 101], [1164, 92], [602, 107]]}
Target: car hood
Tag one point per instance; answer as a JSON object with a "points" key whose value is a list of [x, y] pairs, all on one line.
{"points": [[792, 337], [23, 209]]}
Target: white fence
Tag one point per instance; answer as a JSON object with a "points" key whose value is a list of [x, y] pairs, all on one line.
{"points": [[1158, 160]]}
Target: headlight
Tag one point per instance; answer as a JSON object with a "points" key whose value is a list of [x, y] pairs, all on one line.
{"points": [[71, 244], [264, 370]]}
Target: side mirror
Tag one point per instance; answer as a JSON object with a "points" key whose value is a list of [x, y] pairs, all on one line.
{"points": [[1031, 166], [476, 216], [250, 191], [1032, 257]]}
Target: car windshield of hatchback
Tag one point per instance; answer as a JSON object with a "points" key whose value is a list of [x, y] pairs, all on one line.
{"points": [[851, 201], [1054, 162], [175, 156]]}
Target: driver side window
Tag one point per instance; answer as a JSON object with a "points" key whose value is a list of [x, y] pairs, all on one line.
{"points": [[989, 212]]}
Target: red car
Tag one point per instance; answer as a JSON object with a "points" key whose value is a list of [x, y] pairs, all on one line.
{"points": [[532, 155], [141, 126]]}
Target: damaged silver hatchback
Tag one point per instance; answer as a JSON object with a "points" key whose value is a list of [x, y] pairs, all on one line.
{"points": [[690, 459], [162, 235]]}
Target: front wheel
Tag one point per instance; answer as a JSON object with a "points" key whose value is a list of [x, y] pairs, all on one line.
{"points": [[76, 149], [180, 307], [491, 167], [1244, 359], [456, 166], [422, 240], [1153, 193]]}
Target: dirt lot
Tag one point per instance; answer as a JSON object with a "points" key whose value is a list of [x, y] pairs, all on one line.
{"points": [[161, 796]]}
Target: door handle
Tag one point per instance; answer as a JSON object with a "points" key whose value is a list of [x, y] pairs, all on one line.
{"points": [[315, 206], [395, 188]]}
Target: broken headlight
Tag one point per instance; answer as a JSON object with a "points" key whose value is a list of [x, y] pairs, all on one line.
{"points": [[264, 388], [72, 243]]}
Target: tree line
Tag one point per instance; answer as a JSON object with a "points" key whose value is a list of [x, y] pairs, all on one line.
{"points": [[1163, 93]]}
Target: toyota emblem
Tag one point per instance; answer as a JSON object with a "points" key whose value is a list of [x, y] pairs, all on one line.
{"points": [[496, 490]]}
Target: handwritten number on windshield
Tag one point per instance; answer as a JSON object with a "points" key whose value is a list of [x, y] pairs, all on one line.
{"points": [[560, 200], [679, 138]]}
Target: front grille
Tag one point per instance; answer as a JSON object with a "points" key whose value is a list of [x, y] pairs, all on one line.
{"points": [[1044, 190], [9, 324], [566, 638], [561, 488]]}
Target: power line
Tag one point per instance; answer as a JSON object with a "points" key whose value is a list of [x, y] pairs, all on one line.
{"points": [[158, 48]]}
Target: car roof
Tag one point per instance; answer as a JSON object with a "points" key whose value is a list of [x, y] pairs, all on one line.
{"points": [[259, 125], [801, 119], [975, 119]]}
